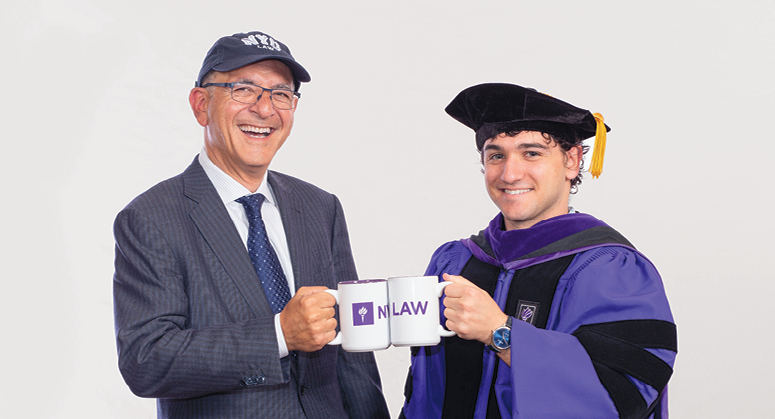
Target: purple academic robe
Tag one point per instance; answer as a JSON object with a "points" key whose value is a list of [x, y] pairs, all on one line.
{"points": [[551, 373]]}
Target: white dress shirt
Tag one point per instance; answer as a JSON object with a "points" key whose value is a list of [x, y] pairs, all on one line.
{"points": [[229, 190]]}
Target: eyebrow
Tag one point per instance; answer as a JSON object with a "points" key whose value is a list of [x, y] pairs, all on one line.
{"points": [[276, 86], [522, 146], [489, 147], [532, 145]]}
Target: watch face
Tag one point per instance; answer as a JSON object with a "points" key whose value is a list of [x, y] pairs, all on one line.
{"points": [[501, 338]]}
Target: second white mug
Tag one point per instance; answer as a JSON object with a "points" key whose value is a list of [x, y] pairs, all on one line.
{"points": [[414, 310]]}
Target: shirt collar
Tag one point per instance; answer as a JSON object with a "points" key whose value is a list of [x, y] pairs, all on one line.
{"points": [[226, 186]]}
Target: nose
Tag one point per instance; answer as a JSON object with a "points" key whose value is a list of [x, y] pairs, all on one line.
{"points": [[263, 106], [513, 171]]}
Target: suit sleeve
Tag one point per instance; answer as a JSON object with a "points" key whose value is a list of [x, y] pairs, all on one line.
{"points": [[160, 355], [609, 348], [359, 379]]}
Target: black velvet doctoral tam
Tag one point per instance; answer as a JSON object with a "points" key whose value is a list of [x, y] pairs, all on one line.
{"points": [[491, 109]]}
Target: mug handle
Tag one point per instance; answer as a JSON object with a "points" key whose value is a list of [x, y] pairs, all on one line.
{"points": [[439, 292], [338, 339]]}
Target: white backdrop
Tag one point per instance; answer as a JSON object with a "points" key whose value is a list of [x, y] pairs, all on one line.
{"points": [[95, 111]]}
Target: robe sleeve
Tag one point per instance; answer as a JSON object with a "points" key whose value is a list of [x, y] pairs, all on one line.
{"points": [[552, 373], [449, 257]]}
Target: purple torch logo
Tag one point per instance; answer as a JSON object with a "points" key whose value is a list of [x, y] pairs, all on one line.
{"points": [[363, 314], [526, 314]]}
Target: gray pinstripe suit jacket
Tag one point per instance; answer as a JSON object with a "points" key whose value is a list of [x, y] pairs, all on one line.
{"points": [[193, 327]]}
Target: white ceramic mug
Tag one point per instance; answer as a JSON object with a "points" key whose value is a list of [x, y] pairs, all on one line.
{"points": [[414, 310], [363, 315]]}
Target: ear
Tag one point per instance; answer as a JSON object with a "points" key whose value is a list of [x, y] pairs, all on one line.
{"points": [[199, 99], [573, 161]]}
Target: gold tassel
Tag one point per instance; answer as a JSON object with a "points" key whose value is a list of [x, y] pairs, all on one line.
{"points": [[596, 167]]}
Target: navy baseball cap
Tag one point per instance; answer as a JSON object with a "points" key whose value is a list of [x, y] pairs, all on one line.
{"points": [[241, 49]]}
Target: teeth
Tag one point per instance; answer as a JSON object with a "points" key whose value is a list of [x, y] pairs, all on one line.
{"points": [[255, 130], [516, 191]]}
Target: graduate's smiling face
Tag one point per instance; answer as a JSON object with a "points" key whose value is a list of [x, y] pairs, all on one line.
{"points": [[528, 177]]}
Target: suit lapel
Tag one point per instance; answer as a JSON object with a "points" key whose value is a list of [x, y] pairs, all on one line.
{"points": [[292, 214], [217, 228], [296, 225]]}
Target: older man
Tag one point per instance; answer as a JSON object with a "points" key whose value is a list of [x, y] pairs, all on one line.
{"points": [[557, 315], [219, 271]]}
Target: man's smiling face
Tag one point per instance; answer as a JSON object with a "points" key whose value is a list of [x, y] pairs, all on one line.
{"points": [[528, 177], [242, 139]]}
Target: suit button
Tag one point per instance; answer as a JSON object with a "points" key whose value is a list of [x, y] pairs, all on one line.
{"points": [[251, 381], [302, 390]]}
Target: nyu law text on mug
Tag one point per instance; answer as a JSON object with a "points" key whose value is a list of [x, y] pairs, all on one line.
{"points": [[414, 310]]}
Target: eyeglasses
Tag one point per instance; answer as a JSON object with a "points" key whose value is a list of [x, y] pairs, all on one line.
{"points": [[250, 94]]}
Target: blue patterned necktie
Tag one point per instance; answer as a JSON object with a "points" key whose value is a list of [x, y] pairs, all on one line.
{"points": [[262, 254]]}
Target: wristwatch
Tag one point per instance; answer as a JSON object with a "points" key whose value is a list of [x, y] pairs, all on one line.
{"points": [[501, 337]]}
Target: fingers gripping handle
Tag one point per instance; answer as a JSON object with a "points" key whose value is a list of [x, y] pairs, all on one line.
{"points": [[445, 333], [439, 292], [338, 339], [440, 287]]}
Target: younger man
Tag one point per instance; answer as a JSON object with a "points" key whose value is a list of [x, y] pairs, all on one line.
{"points": [[557, 315]]}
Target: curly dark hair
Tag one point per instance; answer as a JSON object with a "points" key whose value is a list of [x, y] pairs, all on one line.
{"points": [[565, 144]]}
